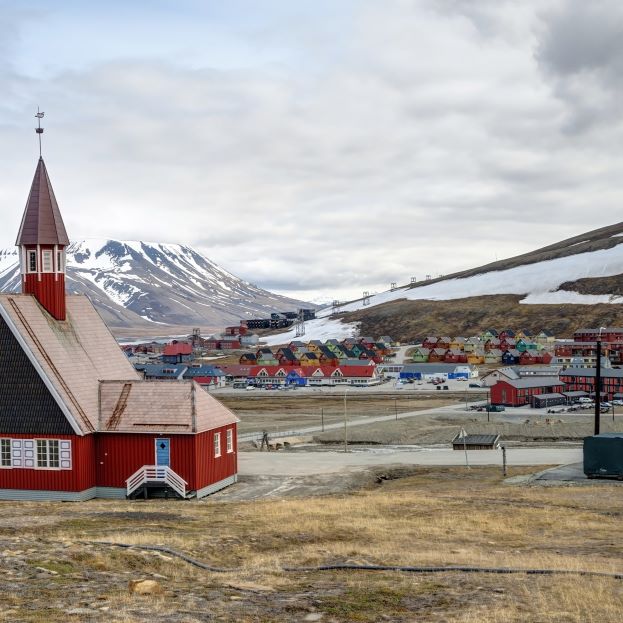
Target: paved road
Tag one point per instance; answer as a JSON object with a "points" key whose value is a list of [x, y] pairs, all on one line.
{"points": [[325, 462]]}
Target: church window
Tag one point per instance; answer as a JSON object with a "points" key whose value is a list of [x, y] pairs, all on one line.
{"points": [[48, 453], [5, 453], [47, 261], [32, 261]]}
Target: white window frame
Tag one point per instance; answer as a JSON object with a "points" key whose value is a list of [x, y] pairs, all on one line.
{"points": [[29, 255], [217, 445], [47, 261], [230, 440], [60, 261], [5, 446], [48, 444]]}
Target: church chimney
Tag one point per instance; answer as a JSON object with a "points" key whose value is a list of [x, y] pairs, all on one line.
{"points": [[42, 240]]}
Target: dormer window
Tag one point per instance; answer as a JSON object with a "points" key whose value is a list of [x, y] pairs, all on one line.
{"points": [[32, 261]]}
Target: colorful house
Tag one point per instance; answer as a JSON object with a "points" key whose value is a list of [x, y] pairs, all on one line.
{"points": [[420, 355]]}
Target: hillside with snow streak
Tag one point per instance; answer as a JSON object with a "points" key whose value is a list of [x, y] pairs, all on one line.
{"points": [[545, 276], [558, 287], [142, 284]]}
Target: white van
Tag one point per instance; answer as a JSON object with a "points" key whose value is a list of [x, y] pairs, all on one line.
{"points": [[585, 399]]}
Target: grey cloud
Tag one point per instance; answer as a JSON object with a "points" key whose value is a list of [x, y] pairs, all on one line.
{"points": [[436, 139]]}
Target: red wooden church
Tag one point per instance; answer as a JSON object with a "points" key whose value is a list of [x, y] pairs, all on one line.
{"points": [[76, 421]]}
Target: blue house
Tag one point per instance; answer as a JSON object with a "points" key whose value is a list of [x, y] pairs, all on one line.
{"points": [[163, 371], [295, 378], [511, 357]]}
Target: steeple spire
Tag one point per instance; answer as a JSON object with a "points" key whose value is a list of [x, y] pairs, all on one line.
{"points": [[42, 240]]}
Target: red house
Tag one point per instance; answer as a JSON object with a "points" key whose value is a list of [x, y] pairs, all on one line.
{"points": [[515, 393], [177, 352], [529, 358], [76, 421]]}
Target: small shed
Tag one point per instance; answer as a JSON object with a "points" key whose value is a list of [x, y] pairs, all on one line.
{"points": [[548, 400], [475, 442]]}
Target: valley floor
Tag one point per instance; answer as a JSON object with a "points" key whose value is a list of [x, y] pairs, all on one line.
{"points": [[54, 568]]}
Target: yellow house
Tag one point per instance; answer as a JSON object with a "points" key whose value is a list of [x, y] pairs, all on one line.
{"points": [[314, 346], [309, 359], [476, 357], [458, 343]]}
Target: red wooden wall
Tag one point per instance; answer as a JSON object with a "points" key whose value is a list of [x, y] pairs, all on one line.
{"points": [[119, 455], [48, 288], [79, 478], [209, 468]]}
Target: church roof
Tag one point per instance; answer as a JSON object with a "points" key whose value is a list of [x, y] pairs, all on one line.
{"points": [[93, 382], [72, 356], [160, 407], [42, 222]]}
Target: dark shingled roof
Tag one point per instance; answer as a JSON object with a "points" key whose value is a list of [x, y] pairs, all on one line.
{"points": [[42, 222], [476, 440]]}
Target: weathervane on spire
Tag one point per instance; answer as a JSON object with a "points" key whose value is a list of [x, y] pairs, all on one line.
{"points": [[39, 129]]}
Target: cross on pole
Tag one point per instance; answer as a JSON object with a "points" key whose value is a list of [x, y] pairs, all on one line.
{"points": [[39, 129]]}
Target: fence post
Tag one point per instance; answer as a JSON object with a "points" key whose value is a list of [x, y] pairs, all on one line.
{"points": [[504, 459]]}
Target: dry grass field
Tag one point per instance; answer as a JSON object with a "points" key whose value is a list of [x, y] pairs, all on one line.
{"points": [[288, 412], [52, 569]]}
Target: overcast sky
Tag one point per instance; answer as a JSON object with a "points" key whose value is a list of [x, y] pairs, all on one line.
{"points": [[318, 147]]}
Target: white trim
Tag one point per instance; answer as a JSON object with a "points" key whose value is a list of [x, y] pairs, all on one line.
{"points": [[229, 437], [214, 448], [28, 270], [10, 465], [44, 377], [47, 257]]}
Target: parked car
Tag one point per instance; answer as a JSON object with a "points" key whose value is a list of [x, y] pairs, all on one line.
{"points": [[474, 385], [617, 402], [585, 399], [250, 388]]}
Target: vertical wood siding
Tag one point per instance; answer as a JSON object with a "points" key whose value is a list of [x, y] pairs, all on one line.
{"points": [[119, 455], [79, 478], [211, 469], [49, 291]]}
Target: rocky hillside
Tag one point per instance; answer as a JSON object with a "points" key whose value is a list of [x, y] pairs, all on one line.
{"points": [[146, 284]]}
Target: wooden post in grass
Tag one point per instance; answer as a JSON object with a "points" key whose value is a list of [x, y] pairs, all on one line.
{"points": [[322, 418], [504, 459]]}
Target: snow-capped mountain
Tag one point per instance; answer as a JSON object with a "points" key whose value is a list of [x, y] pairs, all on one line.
{"points": [[137, 284]]}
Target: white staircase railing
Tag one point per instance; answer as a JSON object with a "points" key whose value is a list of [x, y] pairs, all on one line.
{"points": [[155, 473]]}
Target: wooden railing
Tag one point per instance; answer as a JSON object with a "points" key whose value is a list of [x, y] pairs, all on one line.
{"points": [[156, 473]]}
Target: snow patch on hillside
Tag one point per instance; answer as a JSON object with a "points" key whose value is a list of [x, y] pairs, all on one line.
{"points": [[537, 281], [319, 329], [566, 297]]}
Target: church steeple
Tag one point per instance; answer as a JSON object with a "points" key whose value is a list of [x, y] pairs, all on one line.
{"points": [[42, 240]]}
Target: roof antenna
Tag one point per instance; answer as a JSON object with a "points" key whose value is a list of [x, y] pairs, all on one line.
{"points": [[39, 129]]}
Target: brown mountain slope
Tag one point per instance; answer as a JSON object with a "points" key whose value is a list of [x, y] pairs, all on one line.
{"points": [[413, 320]]}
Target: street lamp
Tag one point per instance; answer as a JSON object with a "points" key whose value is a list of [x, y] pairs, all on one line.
{"points": [[598, 382], [345, 423]]}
